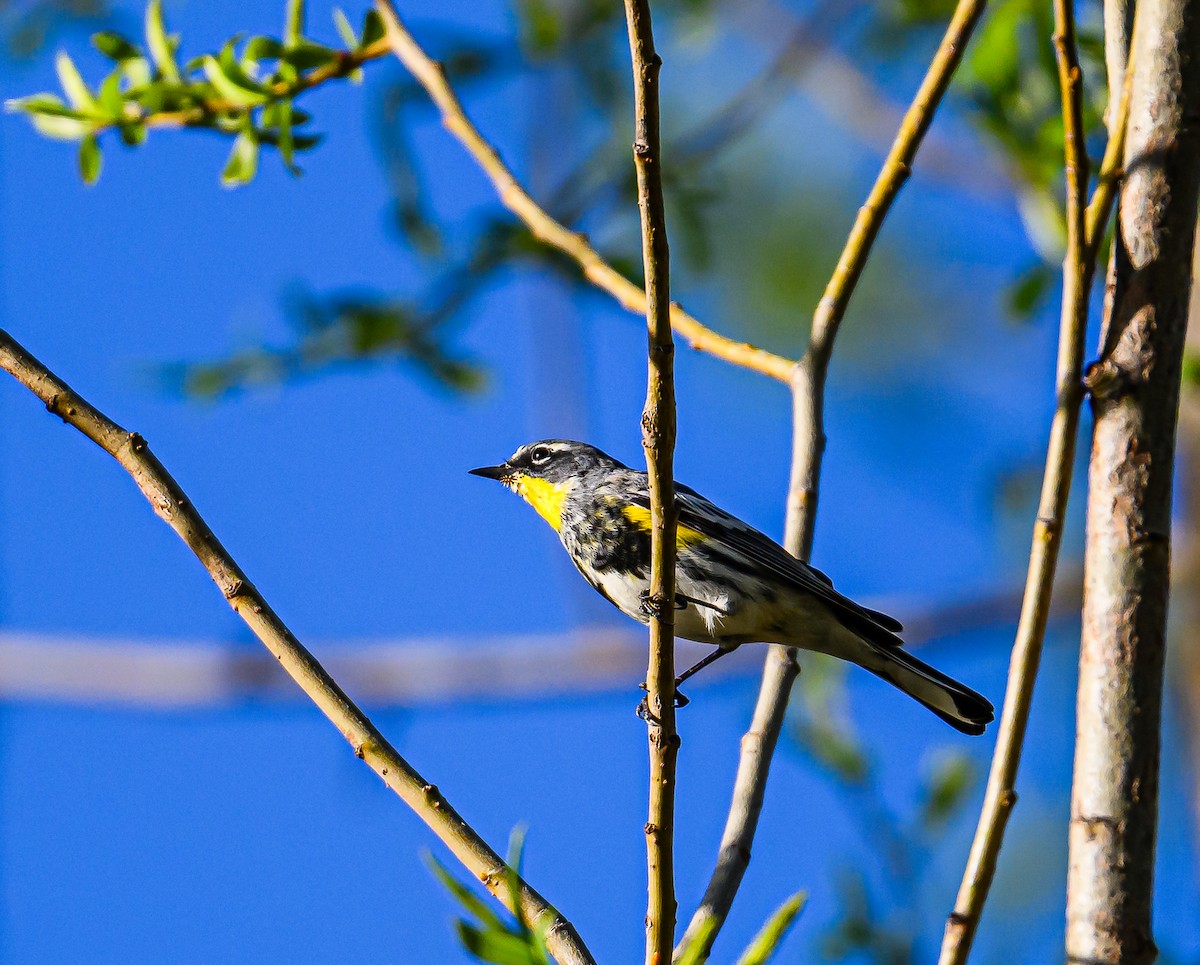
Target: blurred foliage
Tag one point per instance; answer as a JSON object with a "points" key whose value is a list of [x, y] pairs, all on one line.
{"points": [[877, 919], [27, 27], [762, 947], [331, 331], [246, 91]]}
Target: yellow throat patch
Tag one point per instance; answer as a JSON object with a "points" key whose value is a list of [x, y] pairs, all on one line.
{"points": [[547, 498]]}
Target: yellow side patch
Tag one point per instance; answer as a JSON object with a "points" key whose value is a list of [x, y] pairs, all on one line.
{"points": [[685, 536], [547, 498]]}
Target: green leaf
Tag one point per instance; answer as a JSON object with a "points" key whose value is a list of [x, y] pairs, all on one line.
{"points": [[287, 143], [90, 159], [466, 897], [137, 72], [115, 46], [238, 89], [307, 55], [767, 941], [43, 103], [693, 952], [372, 28], [498, 947], [162, 47], [344, 29], [293, 29], [946, 789], [73, 84], [262, 48], [133, 134], [1191, 369], [111, 100], [59, 127], [243, 160]]}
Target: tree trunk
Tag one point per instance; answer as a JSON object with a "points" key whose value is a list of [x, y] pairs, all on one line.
{"points": [[1135, 397]]}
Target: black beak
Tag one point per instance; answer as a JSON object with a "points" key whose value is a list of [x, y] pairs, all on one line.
{"points": [[492, 472]]}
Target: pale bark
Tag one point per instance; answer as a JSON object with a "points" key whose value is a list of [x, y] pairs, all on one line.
{"points": [[1135, 396]]}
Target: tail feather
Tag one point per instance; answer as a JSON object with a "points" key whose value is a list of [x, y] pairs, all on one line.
{"points": [[959, 706]]}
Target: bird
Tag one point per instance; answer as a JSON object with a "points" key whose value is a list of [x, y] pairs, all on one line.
{"points": [[734, 584]]}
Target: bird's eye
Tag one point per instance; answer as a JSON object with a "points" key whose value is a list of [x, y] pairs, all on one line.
{"points": [[540, 455]]}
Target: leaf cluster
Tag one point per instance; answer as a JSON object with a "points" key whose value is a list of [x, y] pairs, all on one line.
{"points": [[244, 91]]}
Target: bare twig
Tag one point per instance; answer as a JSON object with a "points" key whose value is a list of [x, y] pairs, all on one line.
{"points": [[808, 394], [658, 441], [430, 75], [1085, 227], [173, 506]]}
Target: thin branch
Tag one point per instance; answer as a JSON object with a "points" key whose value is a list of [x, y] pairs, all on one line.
{"points": [[807, 380], [175, 508], [658, 441], [1085, 229], [346, 62], [431, 76]]}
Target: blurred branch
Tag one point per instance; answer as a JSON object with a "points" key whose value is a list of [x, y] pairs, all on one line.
{"points": [[168, 674], [658, 441], [1085, 226], [430, 74], [808, 391], [175, 508]]}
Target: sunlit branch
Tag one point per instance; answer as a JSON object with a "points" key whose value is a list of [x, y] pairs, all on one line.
{"points": [[1085, 228], [658, 441], [175, 508]]}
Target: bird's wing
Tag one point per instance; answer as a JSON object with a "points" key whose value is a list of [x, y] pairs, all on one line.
{"points": [[712, 523]]}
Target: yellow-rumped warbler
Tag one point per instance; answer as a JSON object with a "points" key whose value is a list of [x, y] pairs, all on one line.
{"points": [[734, 585]]}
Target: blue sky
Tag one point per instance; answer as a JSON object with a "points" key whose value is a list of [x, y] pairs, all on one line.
{"points": [[250, 833]]}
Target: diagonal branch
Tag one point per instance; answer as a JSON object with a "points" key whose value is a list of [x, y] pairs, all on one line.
{"points": [[173, 506], [658, 440], [808, 395], [1085, 231], [430, 75]]}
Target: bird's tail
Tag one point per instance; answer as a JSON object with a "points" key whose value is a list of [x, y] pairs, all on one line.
{"points": [[959, 706]]}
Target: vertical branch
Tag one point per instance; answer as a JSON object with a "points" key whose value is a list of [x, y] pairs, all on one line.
{"points": [[808, 446], [658, 440], [1085, 228], [173, 506], [1135, 398]]}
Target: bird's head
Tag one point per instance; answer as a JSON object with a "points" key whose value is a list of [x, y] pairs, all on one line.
{"points": [[544, 473]]}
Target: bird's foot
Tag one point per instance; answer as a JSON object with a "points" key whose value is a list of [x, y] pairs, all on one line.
{"points": [[650, 605]]}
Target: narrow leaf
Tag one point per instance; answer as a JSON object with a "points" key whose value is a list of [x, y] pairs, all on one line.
{"points": [[90, 160], [243, 161], [162, 50], [237, 90], [293, 30], [114, 46], [287, 144], [111, 100], [466, 897], [60, 128], [497, 947], [73, 85], [344, 29], [372, 29], [767, 941], [693, 952]]}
